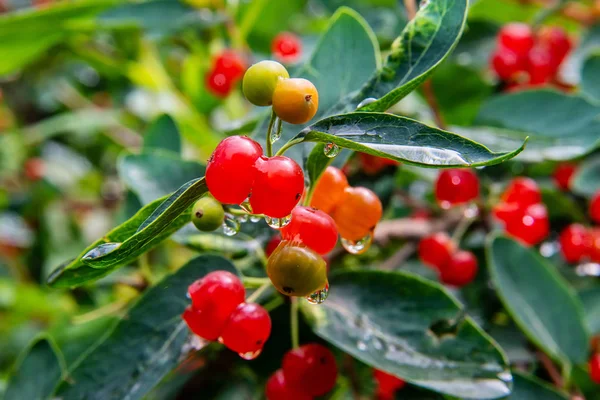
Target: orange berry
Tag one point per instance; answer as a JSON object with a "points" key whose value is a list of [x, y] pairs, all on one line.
{"points": [[295, 100], [329, 189], [357, 213]]}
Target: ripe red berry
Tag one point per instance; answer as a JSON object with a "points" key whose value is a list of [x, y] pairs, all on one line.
{"points": [[460, 270], [214, 298], [435, 250], [312, 227], [277, 389], [594, 251], [34, 169], [218, 83], [594, 208], [595, 368], [310, 368], [230, 64], [272, 245], [231, 169], [575, 243], [387, 384], [506, 63], [523, 191], [539, 65], [557, 41], [562, 175], [517, 37], [371, 165], [506, 212], [278, 186], [247, 330], [532, 227], [456, 186], [287, 47]]}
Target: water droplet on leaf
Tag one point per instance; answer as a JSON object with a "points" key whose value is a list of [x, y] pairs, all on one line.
{"points": [[255, 218], [242, 218], [101, 250], [231, 226], [357, 246], [331, 150], [319, 296], [365, 102], [278, 223], [588, 269]]}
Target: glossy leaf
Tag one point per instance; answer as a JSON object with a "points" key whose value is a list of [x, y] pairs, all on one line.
{"points": [[534, 293], [530, 388], [586, 181], [145, 345], [402, 139], [412, 328], [37, 373], [590, 298], [156, 173], [163, 134], [590, 78], [316, 163]]}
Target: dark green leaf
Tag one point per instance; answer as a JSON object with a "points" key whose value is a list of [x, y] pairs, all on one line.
{"points": [[581, 378], [534, 294], [591, 305], [590, 78], [156, 173], [145, 345], [586, 181], [38, 371], [530, 388], [163, 134], [316, 163], [561, 205], [402, 139], [414, 329]]}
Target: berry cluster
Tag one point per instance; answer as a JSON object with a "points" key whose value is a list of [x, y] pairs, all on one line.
{"points": [[387, 385], [218, 312], [521, 210], [455, 267], [527, 58], [456, 186], [227, 69], [579, 243], [286, 47], [306, 372]]}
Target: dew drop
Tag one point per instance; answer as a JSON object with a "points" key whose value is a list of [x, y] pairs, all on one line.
{"points": [[278, 223], [101, 250], [357, 246], [331, 150], [276, 132], [246, 206], [251, 355], [242, 218], [362, 346], [319, 296], [231, 226], [365, 102], [588, 269], [255, 218]]}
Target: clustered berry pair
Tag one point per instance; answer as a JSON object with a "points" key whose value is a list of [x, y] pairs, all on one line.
{"points": [[218, 312], [522, 212], [455, 267], [306, 372], [227, 69], [527, 58], [579, 243]]}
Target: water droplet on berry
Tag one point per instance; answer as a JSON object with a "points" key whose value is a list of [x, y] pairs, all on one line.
{"points": [[101, 250], [231, 226], [357, 246], [255, 218], [331, 150], [319, 296], [365, 102], [242, 218], [246, 206], [588, 269], [278, 223], [251, 355]]}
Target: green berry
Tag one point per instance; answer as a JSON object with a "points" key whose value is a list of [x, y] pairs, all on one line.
{"points": [[208, 214], [260, 81]]}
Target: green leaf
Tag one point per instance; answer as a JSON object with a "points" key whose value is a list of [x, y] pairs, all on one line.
{"points": [[586, 181], [530, 388], [316, 163], [145, 345], [145, 230], [37, 373], [590, 298], [590, 78], [412, 328], [534, 293], [401, 139], [560, 126], [561, 205], [163, 134], [156, 173]]}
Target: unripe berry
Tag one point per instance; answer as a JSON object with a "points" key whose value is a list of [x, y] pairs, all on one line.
{"points": [[296, 270], [295, 100], [260, 81], [310, 368], [357, 213], [329, 190], [208, 214]]}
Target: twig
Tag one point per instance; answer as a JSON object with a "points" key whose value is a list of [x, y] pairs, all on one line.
{"points": [[550, 368], [256, 294], [294, 323], [433, 104], [348, 364], [399, 257], [411, 8]]}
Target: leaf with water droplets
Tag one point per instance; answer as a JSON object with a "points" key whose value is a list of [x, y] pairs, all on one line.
{"points": [[402, 139], [145, 345], [391, 320]]}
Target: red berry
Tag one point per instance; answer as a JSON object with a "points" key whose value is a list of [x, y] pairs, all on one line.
{"points": [[277, 389], [214, 298], [287, 47], [456, 186], [231, 169], [539, 65], [595, 245], [506, 63], [218, 83], [278, 186], [563, 174], [272, 245], [506, 212], [34, 169], [435, 250], [310, 368], [594, 208], [312, 227], [230, 64], [523, 191], [460, 270], [387, 383], [532, 227], [575, 242], [371, 165], [247, 330], [557, 41], [595, 368], [517, 37]]}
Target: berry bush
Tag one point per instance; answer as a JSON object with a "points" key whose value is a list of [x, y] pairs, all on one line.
{"points": [[295, 200]]}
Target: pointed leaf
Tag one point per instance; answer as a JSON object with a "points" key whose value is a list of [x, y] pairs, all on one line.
{"points": [[590, 78], [586, 181], [163, 134], [531, 388]]}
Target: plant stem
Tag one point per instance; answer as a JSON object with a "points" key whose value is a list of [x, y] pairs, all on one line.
{"points": [[254, 283], [433, 104], [289, 144], [294, 323], [254, 296], [550, 368], [411, 8], [269, 145], [463, 225]]}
